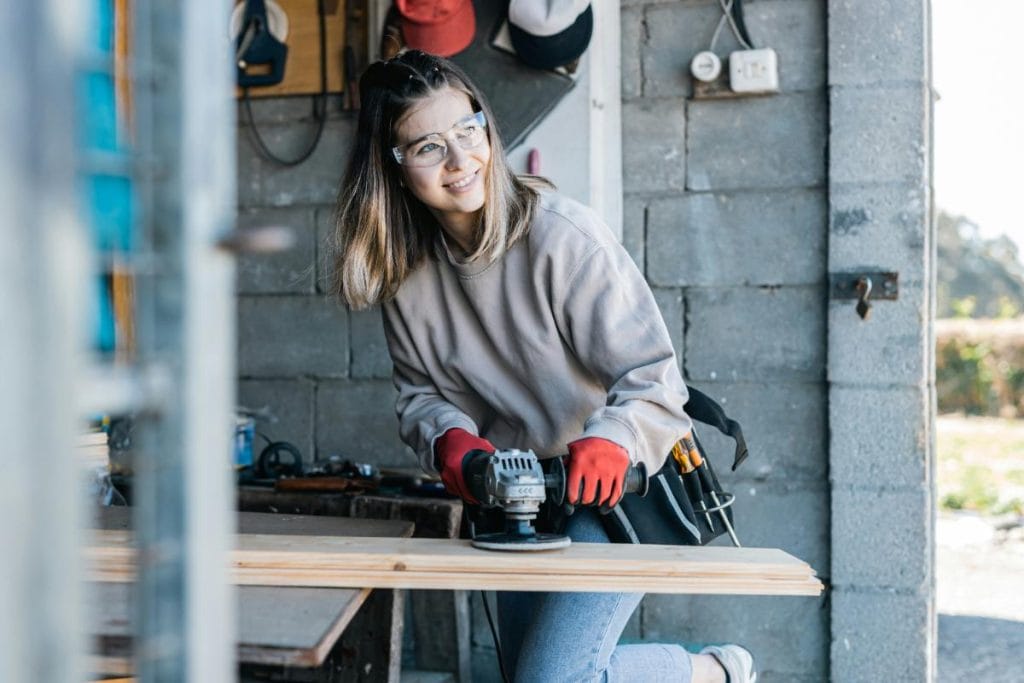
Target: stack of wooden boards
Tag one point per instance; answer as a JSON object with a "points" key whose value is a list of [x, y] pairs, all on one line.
{"points": [[93, 451], [331, 561]]}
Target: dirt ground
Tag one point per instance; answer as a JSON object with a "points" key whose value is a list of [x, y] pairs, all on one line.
{"points": [[980, 595]]}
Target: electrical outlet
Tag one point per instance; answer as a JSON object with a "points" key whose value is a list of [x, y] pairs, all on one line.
{"points": [[754, 71]]}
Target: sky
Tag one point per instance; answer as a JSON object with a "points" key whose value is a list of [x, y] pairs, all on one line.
{"points": [[978, 71]]}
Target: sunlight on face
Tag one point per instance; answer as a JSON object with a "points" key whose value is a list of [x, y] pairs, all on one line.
{"points": [[453, 189]]}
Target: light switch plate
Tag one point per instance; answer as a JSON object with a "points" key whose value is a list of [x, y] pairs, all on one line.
{"points": [[754, 71]]}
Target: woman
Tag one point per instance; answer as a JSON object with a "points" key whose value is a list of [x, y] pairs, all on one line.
{"points": [[513, 317]]}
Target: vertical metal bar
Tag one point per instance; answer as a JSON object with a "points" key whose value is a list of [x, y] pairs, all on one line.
{"points": [[42, 277], [184, 488]]}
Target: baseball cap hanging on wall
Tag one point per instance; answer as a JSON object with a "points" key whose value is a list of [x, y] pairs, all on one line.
{"points": [[440, 27], [550, 33]]}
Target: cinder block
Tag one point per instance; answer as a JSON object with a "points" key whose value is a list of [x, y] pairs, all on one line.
{"points": [[634, 229], [675, 33], [291, 404], [879, 134], [791, 515], [881, 636], [634, 3], [881, 539], [632, 39], [764, 142], [749, 238], [755, 334], [271, 110], [856, 30], [324, 238], [289, 271], [248, 172], [879, 437], [653, 145], [889, 348], [795, 30], [786, 677], [357, 420], [785, 427], [287, 336], [370, 358], [788, 636], [670, 301], [315, 181], [884, 226]]}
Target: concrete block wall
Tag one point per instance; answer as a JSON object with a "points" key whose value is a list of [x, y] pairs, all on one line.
{"points": [[881, 384], [321, 369], [726, 211], [737, 211]]}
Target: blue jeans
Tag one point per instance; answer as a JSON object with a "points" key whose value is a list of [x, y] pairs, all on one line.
{"points": [[573, 637]]}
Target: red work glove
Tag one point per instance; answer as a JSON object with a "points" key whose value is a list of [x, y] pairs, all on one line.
{"points": [[597, 467], [449, 451]]}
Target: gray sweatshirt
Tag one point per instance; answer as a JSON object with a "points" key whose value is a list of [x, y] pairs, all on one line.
{"points": [[558, 339]]}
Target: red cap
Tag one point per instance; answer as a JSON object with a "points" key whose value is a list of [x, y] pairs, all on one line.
{"points": [[440, 27]]}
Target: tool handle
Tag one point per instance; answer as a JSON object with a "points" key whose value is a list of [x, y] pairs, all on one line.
{"points": [[474, 473], [637, 480]]}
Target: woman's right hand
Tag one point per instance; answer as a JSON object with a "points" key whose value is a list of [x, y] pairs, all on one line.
{"points": [[450, 450]]}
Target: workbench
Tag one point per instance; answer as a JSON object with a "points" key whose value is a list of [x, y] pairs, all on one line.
{"points": [[439, 619], [298, 634]]}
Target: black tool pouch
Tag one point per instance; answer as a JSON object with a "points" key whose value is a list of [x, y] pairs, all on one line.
{"points": [[681, 509]]}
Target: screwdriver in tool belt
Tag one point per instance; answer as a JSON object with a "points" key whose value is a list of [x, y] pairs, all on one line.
{"points": [[709, 483], [692, 483]]}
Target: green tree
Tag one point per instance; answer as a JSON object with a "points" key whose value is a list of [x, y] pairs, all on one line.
{"points": [[970, 266]]}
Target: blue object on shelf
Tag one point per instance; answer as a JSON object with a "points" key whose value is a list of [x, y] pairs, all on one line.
{"points": [[245, 430]]}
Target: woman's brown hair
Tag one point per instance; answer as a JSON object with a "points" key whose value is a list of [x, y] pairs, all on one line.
{"points": [[381, 231]]}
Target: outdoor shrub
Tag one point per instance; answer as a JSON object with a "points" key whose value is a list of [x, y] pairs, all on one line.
{"points": [[979, 367]]}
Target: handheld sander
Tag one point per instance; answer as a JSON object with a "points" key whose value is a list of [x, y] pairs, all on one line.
{"points": [[518, 482]]}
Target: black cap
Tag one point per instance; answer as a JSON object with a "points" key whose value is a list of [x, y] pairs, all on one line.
{"points": [[550, 52]]}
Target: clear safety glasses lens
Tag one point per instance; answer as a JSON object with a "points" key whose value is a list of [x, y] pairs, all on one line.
{"points": [[433, 149]]}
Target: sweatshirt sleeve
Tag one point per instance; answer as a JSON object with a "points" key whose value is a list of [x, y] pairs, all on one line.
{"points": [[615, 328], [423, 414]]}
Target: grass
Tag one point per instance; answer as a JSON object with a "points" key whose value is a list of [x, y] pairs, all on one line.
{"points": [[980, 464]]}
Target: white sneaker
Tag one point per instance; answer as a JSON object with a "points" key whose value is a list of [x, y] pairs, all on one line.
{"points": [[737, 662]]}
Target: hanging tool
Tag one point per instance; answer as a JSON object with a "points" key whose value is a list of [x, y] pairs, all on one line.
{"points": [[259, 29], [710, 485], [516, 482], [691, 481], [354, 30]]}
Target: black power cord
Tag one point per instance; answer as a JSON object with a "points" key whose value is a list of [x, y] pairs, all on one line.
{"points": [[497, 641], [319, 105], [277, 459], [741, 24]]}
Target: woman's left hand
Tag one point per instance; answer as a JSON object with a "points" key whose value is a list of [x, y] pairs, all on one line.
{"points": [[596, 472]]}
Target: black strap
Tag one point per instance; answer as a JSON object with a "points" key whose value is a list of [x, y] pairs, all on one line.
{"points": [[703, 408]]}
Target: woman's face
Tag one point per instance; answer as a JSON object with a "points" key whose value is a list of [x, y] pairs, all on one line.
{"points": [[453, 189]]}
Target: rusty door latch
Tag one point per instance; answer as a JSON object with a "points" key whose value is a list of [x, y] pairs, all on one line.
{"points": [[865, 288]]}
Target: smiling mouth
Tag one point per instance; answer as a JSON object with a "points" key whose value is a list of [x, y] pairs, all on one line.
{"points": [[463, 182]]}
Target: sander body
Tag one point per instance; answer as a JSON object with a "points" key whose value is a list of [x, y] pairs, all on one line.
{"points": [[518, 483]]}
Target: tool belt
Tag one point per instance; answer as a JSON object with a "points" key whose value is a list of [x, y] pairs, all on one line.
{"points": [[685, 504]]}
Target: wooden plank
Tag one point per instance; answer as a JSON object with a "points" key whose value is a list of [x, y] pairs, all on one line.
{"points": [[434, 517], [440, 619], [288, 625], [118, 518], [443, 563]]}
